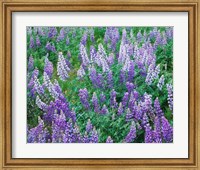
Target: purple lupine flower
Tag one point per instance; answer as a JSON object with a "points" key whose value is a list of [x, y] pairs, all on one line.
{"points": [[120, 109], [148, 135], [30, 63], [34, 74], [95, 103], [100, 81], [68, 135], [124, 36], [145, 120], [38, 87], [58, 127], [104, 110], [129, 115], [109, 140], [157, 130], [122, 77], [41, 31], [93, 76], [67, 41], [48, 67], [89, 126], [50, 86], [52, 32], [94, 136], [169, 33], [38, 43], [161, 82], [81, 72], [146, 104], [132, 134], [92, 35], [84, 96], [111, 36], [130, 87], [131, 71], [156, 71], [38, 134], [43, 106], [61, 36], [132, 102], [102, 56], [84, 39], [125, 99], [158, 110], [126, 65], [53, 48], [149, 77], [167, 130], [85, 138], [139, 36], [32, 43], [62, 67], [138, 112], [92, 54], [102, 98], [170, 96], [110, 80], [73, 115], [48, 46], [77, 135], [84, 56], [113, 102], [110, 59]]}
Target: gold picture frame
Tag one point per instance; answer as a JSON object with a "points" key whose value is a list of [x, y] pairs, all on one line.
{"points": [[9, 6]]}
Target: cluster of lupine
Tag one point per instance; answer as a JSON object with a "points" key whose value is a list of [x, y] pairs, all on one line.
{"points": [[100, 85]]}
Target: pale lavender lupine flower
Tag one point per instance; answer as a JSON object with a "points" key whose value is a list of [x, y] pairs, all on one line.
{"points": [[109, 140], [110, 59], [32, 42], [170, 96], [84, 56], [48, 84], [38, 87], [43, 106], [120, 109], [30, 63], [62, 67], [81, 72], [161, 82], [38, 43]]}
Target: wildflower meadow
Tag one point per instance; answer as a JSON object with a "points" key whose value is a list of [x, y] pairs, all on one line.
{"points": [[99, 84]]}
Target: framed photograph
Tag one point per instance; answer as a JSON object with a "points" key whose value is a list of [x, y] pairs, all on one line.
{"points": [[105, 85]]}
